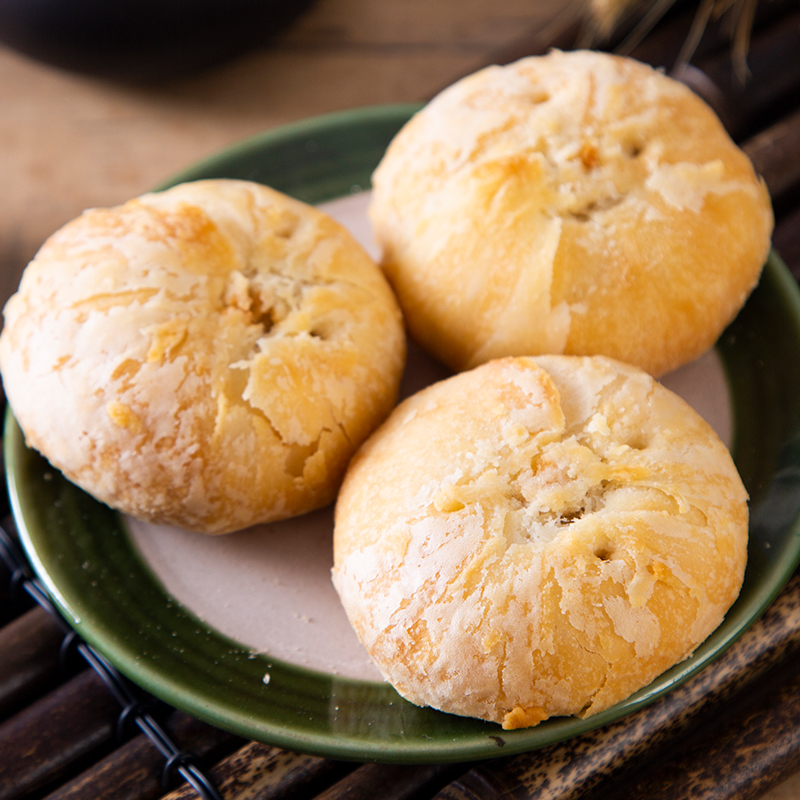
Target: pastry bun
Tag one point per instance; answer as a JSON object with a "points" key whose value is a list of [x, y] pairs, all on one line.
{"points": [[208, 357], [577, 203], [538, 537]]}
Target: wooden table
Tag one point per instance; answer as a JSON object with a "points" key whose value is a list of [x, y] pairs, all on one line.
{"points": [[69, 141]]}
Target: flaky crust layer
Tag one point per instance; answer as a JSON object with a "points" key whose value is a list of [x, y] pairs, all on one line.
{"points": [[538, 537], [571, 203], [209, 356]]}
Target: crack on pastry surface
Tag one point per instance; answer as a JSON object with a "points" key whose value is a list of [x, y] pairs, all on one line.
{"points": [[237, 345], [580, 224], [565, 527]]}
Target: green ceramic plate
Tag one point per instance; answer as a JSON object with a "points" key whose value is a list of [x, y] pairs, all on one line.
{"points": [[82, 552]]}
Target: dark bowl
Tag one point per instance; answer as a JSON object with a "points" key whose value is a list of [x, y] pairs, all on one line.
{"points": [[141, 40]]}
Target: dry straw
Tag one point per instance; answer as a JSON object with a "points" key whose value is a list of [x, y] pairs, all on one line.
{"points": [[638, 17]]}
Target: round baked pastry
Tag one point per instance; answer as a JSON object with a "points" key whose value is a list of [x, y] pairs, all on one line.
{"points": [[209, 356], [538, 537], [575, 203]]}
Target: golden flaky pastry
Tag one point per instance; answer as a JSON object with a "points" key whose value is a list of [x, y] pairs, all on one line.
{"points": [[538, 537], [571, 203], [208, 357]]}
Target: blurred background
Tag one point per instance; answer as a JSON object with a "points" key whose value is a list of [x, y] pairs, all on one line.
{"points": [[132, 116]]}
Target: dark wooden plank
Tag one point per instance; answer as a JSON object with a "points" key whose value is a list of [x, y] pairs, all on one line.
{"points": [[6, 611], [787, 241], [134, 770], [734, 757], [56, 734], [13, 599], [392, 782], [774, 153], [260, 772], [29, 648]]}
